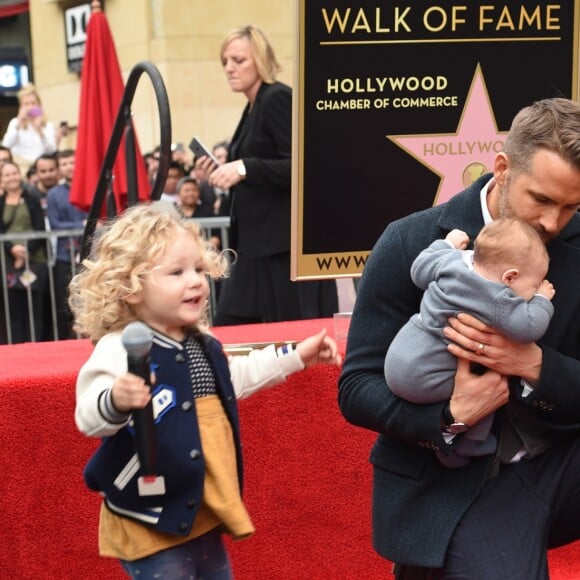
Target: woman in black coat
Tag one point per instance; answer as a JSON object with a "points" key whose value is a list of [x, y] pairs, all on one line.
{"points": [[258, 173]]}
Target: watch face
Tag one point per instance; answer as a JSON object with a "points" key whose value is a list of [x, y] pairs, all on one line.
{"points": [[456, 428]]}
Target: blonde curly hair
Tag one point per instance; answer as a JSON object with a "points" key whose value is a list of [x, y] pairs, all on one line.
{"points": [[125, 251]]}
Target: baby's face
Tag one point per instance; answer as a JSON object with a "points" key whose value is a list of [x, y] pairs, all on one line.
{"points": [[530, 278]]}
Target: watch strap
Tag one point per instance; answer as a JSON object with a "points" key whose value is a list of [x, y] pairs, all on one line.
{"points": [[448, 418], [450, 425]]}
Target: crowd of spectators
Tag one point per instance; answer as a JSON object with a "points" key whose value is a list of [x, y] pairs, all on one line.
{"points": [[37, 309], [39, 171], [29, 309]]}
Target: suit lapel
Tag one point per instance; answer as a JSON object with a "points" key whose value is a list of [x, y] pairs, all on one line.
{"points": [[464, 210]]}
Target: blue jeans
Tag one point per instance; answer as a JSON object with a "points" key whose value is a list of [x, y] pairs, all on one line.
{"points": [[201, 558]]}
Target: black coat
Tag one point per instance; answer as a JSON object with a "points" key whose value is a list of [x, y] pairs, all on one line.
{"points": [[261, 205]]}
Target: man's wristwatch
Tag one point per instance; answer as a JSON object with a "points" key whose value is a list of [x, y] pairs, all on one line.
{"points": [[241, 169], [450, 424]]}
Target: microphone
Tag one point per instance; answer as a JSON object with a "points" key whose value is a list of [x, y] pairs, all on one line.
{"points": [[137, 339]]}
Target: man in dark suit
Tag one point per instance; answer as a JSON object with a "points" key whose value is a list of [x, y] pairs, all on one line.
{"points": [[496, 517]]}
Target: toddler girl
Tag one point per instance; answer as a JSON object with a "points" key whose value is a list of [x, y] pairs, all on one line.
{"points": [[151, 266]]}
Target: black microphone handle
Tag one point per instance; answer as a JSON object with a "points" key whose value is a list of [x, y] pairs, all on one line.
{"points": [[143, 422]]}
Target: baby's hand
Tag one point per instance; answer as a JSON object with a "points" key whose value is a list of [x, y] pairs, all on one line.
{"points": [[458, 238], [546, 289], [319, 348], [130, 392]]}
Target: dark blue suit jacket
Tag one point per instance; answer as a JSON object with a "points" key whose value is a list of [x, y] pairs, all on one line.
{"points": [[417, 502]]}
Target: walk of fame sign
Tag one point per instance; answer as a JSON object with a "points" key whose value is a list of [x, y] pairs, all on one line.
{"points": [[398, 107]]}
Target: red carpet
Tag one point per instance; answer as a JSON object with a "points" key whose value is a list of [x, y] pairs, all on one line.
{"points": [[307, 476]]}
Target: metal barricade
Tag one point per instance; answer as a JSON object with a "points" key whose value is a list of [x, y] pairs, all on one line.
{"points": [[50, 237], [208, 225]]}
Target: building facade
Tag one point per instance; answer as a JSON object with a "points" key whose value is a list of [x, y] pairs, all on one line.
{"points": [[181, 38]]}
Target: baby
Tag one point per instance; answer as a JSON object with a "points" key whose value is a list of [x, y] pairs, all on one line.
{"points": [[501, 282]]}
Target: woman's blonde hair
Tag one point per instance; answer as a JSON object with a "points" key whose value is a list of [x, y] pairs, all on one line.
{"points": [[267, 65], [126, 251], [26, 91]]}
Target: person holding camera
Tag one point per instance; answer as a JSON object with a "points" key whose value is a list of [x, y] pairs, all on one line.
{"points": [[30, 135]]}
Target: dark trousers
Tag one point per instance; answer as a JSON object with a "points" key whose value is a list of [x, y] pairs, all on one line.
{"points": [[23, 319], [28, 314], [531, 506], [62, 276]]}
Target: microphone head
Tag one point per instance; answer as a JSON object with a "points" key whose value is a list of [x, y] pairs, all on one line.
{"points": [[137, 339]]}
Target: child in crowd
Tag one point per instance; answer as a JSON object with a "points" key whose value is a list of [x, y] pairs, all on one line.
{"points": [[502, 283], [153, 267]]}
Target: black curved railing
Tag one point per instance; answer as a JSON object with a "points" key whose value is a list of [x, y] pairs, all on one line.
{"points": [[124, 126]]}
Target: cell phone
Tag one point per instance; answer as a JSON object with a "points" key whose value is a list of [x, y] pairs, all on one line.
{"points": [[35, 111], [199, 150]]}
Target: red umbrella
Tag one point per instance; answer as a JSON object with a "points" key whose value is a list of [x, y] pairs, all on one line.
{"points": [[101, 92]]}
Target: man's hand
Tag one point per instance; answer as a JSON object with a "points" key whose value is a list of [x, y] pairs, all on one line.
{"points": [[475, 397], [474, 341]]}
